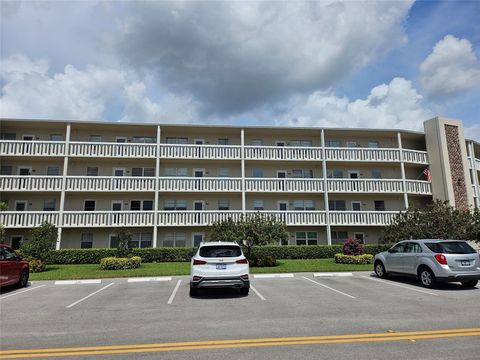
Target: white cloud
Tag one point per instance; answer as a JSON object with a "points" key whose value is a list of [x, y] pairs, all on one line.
{"points": [[29, 91], [393, 105], [451, 68]]}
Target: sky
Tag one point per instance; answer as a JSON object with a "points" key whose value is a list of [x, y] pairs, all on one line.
{"points": [[362, 64]]}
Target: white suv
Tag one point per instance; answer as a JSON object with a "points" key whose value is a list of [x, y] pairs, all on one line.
{"points": [[218, 265]]}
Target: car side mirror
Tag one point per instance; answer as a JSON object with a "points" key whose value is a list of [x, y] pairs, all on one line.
{"points": [[390, 251]]}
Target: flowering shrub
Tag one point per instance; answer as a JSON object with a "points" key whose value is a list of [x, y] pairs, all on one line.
{"points": [[356, 260], [353, 247]]}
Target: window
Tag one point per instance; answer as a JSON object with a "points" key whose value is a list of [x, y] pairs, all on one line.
{"points": [[223, 172], [303, 205], [56, 137], [89, 205], [360, 237], [335, 174], [337, 205], [373, 144], [21, 205], [376, 174], [120, 139], [143, 172], [301, 143], [6, 170], [8, 136], [399, 248], [144, 139], [49, 205], [177, 140], [137, 205], [306, 237], [174, 239], [137, 171], [356, 206], [53, 170], [413, 248], [113, 241], [333, 143], [94, 138], [147, 205], [351, 144], [379, 205], [86, 241], [257, 142], [451, 247], [141, 240], [221, 251], [339, 236], [257, 172], [223, 205], [223, 141], [258, 205], [175, 204], [299, 173], [92, 171], [176, 172]]}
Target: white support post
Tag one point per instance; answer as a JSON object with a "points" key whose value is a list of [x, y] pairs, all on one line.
{"points": [[325, 188], [242, 151], [157, 185], [473, 173], [402, 169], [64, 187]]}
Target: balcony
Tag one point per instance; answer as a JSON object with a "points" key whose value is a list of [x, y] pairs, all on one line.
{"points": [[369, 218], [415, 157], [110, 183], [418, 187], [31, 148], [364, 186], [28, 219], [200, 184], [113, 150], [108, 218], [283, 153], [283, 185], [362, 154], [30, 183], [206, 152]]}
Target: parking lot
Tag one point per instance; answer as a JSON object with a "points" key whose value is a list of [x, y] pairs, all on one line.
{"points": [[126, 314]]}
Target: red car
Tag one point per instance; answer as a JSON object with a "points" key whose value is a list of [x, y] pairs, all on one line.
{"points": [[13, 269]]}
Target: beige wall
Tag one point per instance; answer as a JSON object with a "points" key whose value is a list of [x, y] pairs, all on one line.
{"points": [[271, 200], [41, 130], [372, 235], [209, 135], [38, 165], [80, 132], [71, 238], [392, 202], [211, 167], [270, 168], [35, 201], [78, 167]]}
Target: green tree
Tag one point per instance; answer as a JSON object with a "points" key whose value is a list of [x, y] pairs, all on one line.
{"points": [[43, 239], [438, 220], [228, 230], [124, 237], [474, 229]]}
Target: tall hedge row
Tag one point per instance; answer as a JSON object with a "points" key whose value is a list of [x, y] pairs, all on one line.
{"points": [[168, 254]]}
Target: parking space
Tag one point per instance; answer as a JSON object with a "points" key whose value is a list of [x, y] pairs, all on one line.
{"points": [[293, 305]]}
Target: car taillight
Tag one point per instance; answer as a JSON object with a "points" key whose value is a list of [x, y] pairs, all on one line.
{"points": [[199, 262], [196, 278], [244, 277], [441, 259], [242, 261]]}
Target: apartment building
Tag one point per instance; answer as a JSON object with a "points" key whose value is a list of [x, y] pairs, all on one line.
{"points": [[168, 183]]}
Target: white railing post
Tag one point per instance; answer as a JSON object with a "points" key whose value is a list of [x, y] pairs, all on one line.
{"points": [[242, 154], [157, 185], [325, 186], [63, 188], [402, 169], [473, 172]]}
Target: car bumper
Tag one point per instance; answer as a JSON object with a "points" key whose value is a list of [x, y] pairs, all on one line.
{"points": [[459, 277], [230, 282]]}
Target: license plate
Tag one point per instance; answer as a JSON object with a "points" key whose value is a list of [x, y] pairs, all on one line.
{"points": [[221, 266], [465, 263]]}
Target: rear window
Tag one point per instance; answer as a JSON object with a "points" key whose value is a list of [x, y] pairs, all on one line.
{"points": [[220, 251], [451, 247]]}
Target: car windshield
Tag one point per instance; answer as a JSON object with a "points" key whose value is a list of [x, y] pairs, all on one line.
{"points": [[220, 251], [451, 247]]}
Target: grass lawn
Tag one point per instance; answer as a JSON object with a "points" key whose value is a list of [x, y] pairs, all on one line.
{"points": [[93, 271]]}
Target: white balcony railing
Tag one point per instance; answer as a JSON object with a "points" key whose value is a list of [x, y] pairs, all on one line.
{"points": [[364, 186], [190, 151], [200, 184], [316, 217], [194, 218], [28, 219], [31, 148], [415, 156], [477, 164], [283, 153], [283, 185], [110, 183], [30, 183], [419, 187], [108, 218], [362, 154], [370, 218], [114, 150]]}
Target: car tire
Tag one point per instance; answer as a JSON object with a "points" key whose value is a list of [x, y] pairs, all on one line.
{"points": [[193, 291], [380, 270], [427, 278], [244, 290], [470, 283], [23, 281]]}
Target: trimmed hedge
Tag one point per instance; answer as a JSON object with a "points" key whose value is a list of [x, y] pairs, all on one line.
{"points": [[169, 254], [354, 259], [114, 263]]}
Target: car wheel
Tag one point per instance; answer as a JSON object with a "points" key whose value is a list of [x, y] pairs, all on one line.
{"points": [[427, 278], [23, 279], [193, 291], [471, 283], [244, 290], [380, 270]]}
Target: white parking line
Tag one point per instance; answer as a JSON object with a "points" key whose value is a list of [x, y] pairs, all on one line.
{"points": [[332, 274], [258, 294], [146, 279], [402, 286], [328, 287], [20, 292], [269, 276], [75, 282], [174, 292], [86, 297]]}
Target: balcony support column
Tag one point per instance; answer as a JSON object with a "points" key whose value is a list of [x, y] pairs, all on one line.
{"points": [[64, 187], [402, 169], [242, 154], [157, 185], [474, 175], [325, 188]]}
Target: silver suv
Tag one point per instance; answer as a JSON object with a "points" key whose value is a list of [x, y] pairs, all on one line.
{"points": [[431, 261]]}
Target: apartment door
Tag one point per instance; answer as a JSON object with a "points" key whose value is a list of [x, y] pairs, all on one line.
{"points": [[117, 205], [118, 172], [282, 205], [16, 241], [198, 206], [24, 171], [197, 238], [354, 174], [28, 137], [21, 205], [360, 237], [121, 139], [281, 174], [198, 173]]}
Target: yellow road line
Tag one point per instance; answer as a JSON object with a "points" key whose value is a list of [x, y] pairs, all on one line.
{"points": [[224, 344]]}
